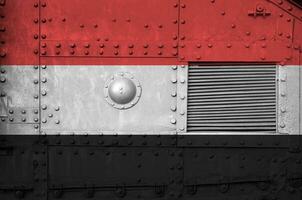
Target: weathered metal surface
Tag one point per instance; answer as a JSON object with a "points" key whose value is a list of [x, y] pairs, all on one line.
{"points": [[98, 32], [65, 171], [153, 32], [72, 100], [289, 97], [19, 89], [19, 32]]}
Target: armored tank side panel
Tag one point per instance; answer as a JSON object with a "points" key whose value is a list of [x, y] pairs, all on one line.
{"points": [[157, 99]]}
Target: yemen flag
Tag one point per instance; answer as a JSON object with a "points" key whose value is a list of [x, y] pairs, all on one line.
{"points": [[151, 100]]}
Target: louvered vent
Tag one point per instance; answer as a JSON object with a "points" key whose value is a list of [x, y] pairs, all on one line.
{"points": [[231, 98]]}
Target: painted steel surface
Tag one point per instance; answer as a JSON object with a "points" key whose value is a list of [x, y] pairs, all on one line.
{"points": [[62, 136], [153, 32]]}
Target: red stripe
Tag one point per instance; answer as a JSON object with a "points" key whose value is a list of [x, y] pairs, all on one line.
{"points": [[151, 32]]}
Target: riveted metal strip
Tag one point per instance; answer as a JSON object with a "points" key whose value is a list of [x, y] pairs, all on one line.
{"points": [[288, 98], [93, 140], [40, 171], [240, 140], [182, 90]]}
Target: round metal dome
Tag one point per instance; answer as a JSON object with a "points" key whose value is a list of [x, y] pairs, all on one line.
{"points": [[122, 90]]}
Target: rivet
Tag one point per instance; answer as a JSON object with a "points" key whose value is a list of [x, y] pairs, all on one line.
{"points": [[182, 80], [44, 107], [57, 122], [282, 125], [174, 67], [173, 108], [44, 93], [2, 79], [58, 45], [3, 54], [173, 94], [173, 80], [43, 52], [173, 121]]}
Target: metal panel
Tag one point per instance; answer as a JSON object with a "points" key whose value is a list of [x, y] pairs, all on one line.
{"points": [[19, 103], [234, 31], [289, 97], [118, 28], [231, 98], [72, 99], [108, 167]]}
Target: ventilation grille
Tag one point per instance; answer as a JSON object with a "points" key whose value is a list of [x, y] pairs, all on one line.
{"points": [[231, 98]]}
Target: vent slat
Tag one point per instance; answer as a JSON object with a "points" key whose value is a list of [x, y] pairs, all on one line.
{"points": [[231, 98]]}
